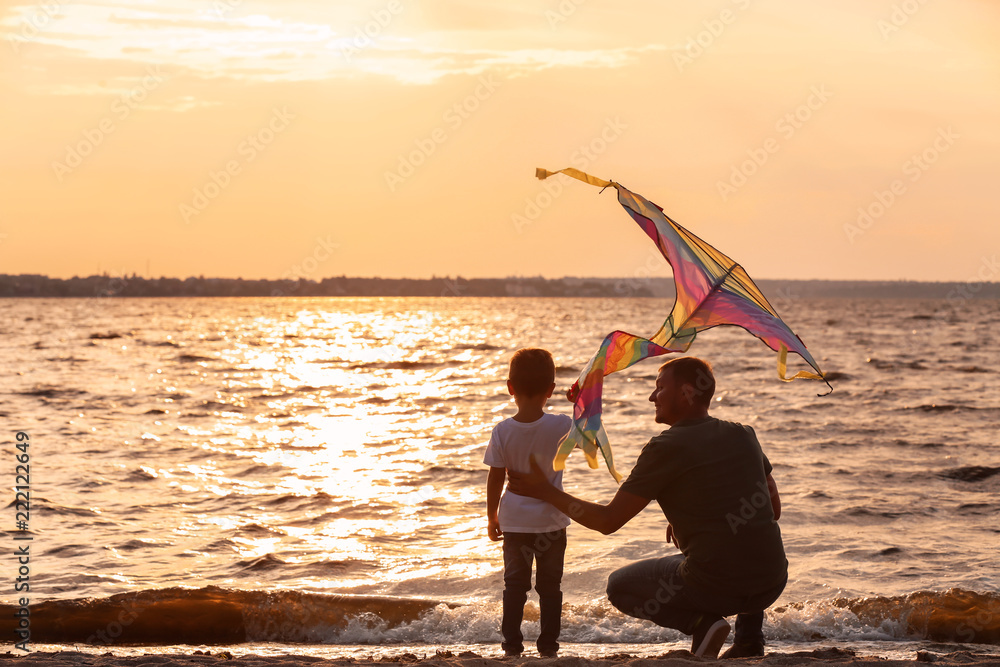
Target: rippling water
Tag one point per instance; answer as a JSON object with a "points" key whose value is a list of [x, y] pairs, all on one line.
{"points": [[334, 446]]}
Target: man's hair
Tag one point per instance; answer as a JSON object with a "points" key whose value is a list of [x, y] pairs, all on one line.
{"points": [[532, 371], [694, 372]]}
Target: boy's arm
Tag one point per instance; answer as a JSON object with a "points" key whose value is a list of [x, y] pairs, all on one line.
{"points": [[605, 519], [494, 488]]}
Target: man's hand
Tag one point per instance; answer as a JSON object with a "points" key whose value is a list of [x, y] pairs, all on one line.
{"points": [[493, 528], [573, 392], [772, 489], [534, 484], [671, 537]]}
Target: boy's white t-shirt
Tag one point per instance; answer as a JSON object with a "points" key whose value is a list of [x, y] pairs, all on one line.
{"points": [[511, 445]]}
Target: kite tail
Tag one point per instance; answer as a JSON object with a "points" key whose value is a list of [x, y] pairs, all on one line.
{"points": [[542, 174], [590, 443], [587, 432], [618, 351], [803, 375]]}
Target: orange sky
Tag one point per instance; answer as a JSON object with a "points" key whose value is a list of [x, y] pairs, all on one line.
{"points": [[267, 138]]}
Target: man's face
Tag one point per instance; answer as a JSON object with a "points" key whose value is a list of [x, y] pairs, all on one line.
{"points": [[666, 396]]}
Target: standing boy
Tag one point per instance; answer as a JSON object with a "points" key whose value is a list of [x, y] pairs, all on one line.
{"points": [[530, 528]]}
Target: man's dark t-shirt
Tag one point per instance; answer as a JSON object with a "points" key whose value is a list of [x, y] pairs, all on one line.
{"points": [[709, 477]]}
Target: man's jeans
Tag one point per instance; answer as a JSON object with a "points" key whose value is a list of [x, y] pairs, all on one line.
{"points": [[654, 590], [519, 549]]}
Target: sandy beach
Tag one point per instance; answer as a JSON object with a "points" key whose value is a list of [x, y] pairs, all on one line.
{"points": [[828, 656]]}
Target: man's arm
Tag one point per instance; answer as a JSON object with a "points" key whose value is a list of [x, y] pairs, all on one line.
{"points": [[772, 490], [605, 519], [494, 487]]}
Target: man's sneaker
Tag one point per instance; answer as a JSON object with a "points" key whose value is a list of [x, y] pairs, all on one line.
{"points": [[745, 650], [707, 643]]}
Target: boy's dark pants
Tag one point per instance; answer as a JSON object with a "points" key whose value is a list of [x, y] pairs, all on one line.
{"points": [[518, 551]]}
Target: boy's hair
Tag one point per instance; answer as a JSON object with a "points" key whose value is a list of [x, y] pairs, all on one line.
{"points": [[694, 372], [532, 371]]}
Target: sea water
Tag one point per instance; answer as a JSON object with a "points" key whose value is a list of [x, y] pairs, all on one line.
{"points": [[310, 470]]}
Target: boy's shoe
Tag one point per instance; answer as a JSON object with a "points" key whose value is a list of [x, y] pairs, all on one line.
{"points": [[706, 643], [744, 650], [548, 654], [512, 654]]}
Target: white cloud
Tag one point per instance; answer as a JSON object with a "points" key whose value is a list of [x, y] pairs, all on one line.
{"points": [[193, 36]]}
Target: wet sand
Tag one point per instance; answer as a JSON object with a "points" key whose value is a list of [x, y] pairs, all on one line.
{"points": [[816, 658]]}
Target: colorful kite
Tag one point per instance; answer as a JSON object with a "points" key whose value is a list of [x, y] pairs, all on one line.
{"points": [[711, 289]]}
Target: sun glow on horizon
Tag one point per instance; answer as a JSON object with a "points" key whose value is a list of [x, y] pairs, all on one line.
{"points": [[143, 135]]}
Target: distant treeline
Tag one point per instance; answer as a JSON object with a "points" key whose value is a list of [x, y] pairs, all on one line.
{"points": [[775, 290], [136, 286]]}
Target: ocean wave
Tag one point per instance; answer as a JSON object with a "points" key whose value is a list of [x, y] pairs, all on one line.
{"points": [[257, 530], [213, 616], [884, 365], [110, 335], [264, 563], [948, 407], [70, 550], [868, 512], [47, 507], [293, 501], [160, 343], [476, 346], [955, 615], [983, 509], [49, 391], [216, 405], [441, 473], [259, 469], [970, 473], [216, 616], [135, 544], [69, 359], [193, 358], [399, 365]]}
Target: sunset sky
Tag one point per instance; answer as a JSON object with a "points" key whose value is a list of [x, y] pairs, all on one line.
{"points": [[273, 138]]}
